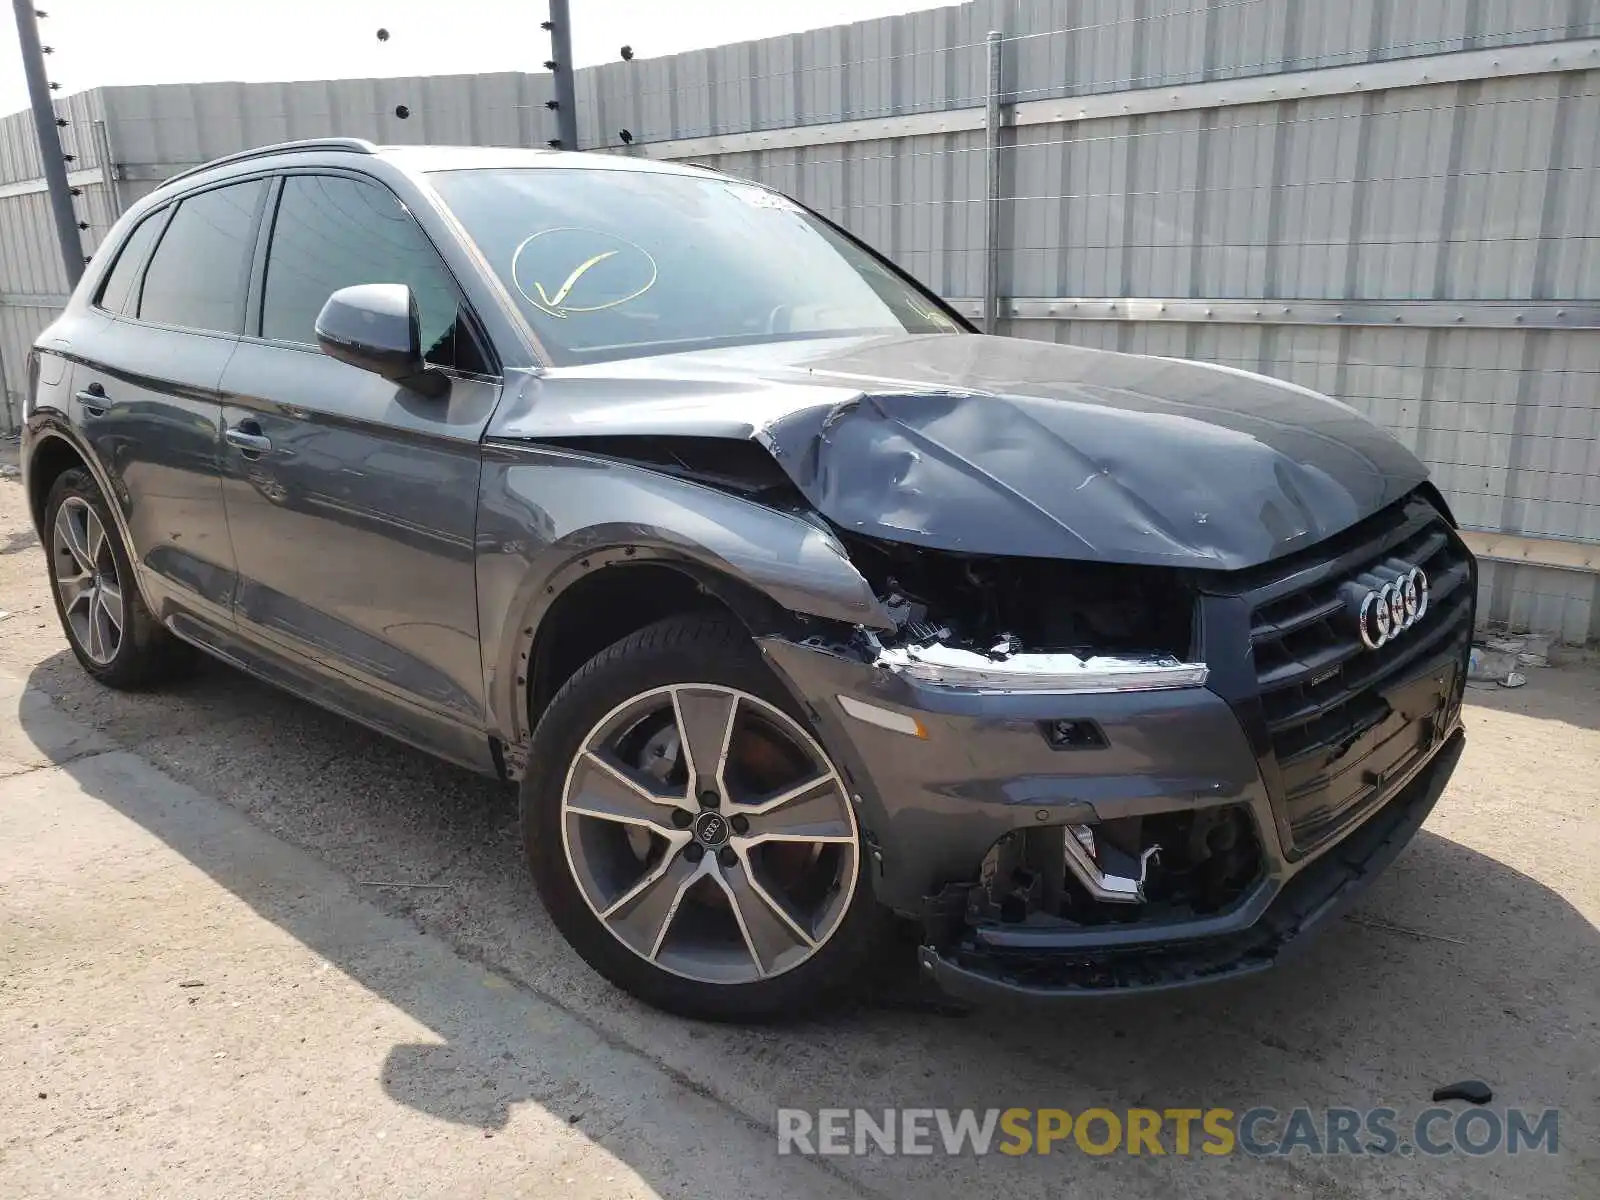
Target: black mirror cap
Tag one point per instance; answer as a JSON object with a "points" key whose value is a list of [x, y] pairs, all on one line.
{"points": [[373, 326]]}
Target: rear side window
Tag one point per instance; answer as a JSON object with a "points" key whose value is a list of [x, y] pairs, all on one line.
{"points": [[198, 275], [119, 284], [333, 231]]}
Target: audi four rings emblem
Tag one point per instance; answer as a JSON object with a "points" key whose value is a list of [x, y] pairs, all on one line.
{"points": [[1385, 607]]}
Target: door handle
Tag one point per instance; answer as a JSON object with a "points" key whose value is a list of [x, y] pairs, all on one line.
{"points": [[94, 401], [248, 438]]}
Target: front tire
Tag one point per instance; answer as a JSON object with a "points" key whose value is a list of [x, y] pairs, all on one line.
{"points": [[690, 836], [110, 630]]}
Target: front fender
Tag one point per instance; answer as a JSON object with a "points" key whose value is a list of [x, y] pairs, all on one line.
{"points": [[547, 518]]}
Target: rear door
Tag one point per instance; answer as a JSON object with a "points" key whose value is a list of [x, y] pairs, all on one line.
{"points": [[146, 394], [352, 499]]}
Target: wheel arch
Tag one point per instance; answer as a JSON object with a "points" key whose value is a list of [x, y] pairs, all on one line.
{"points": [[606, 595], [56, 448], [551, 518], [53, 454]]}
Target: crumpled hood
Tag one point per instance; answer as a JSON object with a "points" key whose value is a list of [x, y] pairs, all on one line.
{"points": [[995, 445]]}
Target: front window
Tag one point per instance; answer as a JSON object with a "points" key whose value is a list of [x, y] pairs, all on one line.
{"points": [[616, 263], [332, 231]]}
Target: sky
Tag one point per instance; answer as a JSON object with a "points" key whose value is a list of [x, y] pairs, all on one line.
{"points": [[103, 42]]}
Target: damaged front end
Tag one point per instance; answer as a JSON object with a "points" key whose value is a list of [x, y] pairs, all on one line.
{"points": [[979, 951], [987, 624], [1081, 648], [1038, 620], [1004, 627], [1011, 609], [1166, 866], [1052, 790]]}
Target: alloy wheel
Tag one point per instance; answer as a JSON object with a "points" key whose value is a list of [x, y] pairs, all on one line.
{"points": [[85, 571], [710, 834]]}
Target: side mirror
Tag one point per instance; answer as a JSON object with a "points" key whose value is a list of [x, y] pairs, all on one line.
{"points": [[373, 326]]}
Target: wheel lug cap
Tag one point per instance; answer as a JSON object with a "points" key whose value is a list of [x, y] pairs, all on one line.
{"points": [[727, 857], [694, 851], [710, 800], [681, 818], [741, 824]]}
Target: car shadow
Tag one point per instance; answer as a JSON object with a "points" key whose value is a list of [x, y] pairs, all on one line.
{"points": [[1453, 965]]}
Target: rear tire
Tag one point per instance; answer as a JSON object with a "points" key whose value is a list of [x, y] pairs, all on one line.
{"points": [[789, 941], [111, 632]]}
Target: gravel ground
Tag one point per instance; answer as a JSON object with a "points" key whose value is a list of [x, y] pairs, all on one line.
{"points": [[1476, 955]]}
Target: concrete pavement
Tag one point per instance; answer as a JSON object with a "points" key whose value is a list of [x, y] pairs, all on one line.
{"points": [[195, 1008]]}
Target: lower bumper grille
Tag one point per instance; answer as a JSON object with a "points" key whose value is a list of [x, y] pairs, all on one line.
{"points": [[1345, 718], [1311, 900]]}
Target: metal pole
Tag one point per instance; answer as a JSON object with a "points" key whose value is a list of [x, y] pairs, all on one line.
{"points": [[991, 203], [108, 168], [44, 120], [8, 423], [566, 91]]}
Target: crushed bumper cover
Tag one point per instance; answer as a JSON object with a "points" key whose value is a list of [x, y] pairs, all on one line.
{"points": [[932, 806], [1045, 970]]}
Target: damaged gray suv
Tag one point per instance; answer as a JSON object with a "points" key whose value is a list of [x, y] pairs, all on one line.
{"points": [[793, 603]]}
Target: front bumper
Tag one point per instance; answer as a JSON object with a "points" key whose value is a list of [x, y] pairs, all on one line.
{"points": [[931, 808], [1307, 902]]}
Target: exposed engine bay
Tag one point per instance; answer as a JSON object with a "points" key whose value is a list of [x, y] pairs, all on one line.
{"points": [[981, 602]]}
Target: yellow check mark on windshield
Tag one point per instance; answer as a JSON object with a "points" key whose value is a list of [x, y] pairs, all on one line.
{"points": [[577, 274]]}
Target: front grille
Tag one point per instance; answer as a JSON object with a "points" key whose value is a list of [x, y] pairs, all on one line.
{"points": [[1345, 721]]}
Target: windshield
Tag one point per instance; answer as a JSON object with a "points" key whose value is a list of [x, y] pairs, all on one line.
{"points": [[614, 264]]}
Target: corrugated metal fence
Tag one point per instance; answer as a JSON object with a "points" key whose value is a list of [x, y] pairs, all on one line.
{"points": [[1392, 201]]}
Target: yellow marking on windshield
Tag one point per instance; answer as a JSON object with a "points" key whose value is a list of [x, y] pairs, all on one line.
{"points": [[559, 305], [577, 274]]}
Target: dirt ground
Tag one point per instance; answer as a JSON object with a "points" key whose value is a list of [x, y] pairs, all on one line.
{"points": [[359, 1040]]}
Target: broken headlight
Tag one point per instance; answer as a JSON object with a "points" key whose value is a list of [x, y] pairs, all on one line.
{"points": [[996, 624]]}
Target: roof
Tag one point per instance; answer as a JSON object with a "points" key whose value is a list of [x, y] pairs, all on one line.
{"points": [[446, 158], [468, 158]]}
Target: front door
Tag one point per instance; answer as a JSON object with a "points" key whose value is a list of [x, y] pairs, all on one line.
{"points": [[153, 349], [352, 500]]}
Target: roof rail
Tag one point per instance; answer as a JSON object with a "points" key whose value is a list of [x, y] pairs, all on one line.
{"points": [[348, 145]]}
